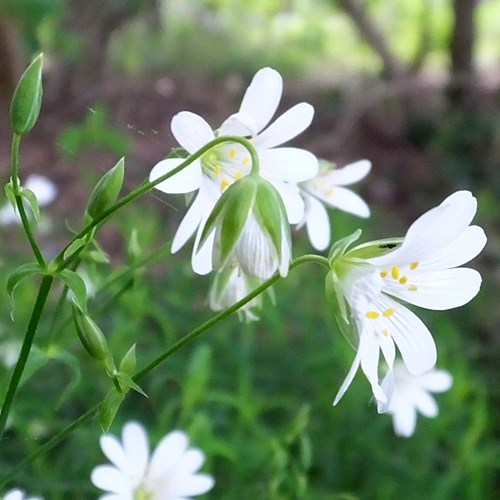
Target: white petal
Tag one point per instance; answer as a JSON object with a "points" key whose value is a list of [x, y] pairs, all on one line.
{"points": [[286, 127], [318, 223], [350, 174], [110, 479], [191, 131], [349, 378], [387, 386], [113, 449], [439, 290], [411, 336], [201, 260], [293, 201], [404, 418], [460, 251], [191, 486], [185, 181], [287, 164], [425, 403], [168, 453], [262, 96], [45, 190], [436, 380], [240, 124], [344, 199], [136, 447], [369, 348]]}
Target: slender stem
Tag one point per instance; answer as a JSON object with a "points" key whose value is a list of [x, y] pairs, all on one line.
{"points": [[43, 293], [16, 140], [61, 263]]}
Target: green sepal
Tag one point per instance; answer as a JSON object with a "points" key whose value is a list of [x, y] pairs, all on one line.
{"points": [[127, 364], [98, 255], [231, 211], [73, 247], [9, 193], [106, 190], [134, 250], [126, 383], [27, 99], [76, 284], [340, 247], [341, 310], [375, 248], [20, 273], [91, 336], [109, 408], [30, 197]]}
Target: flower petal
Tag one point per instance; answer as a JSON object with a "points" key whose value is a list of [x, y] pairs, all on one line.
{"points": [[293, 201], [436, 380], [136, 448], [425, 403], [438, 290], [239, 124], [185, 181], [286, 127], [110, 479], [351, 173], [287, 164], [370, 351], [404, 418], [411, 336], [262, 96], [349, 378], [191, 131], [167, 454], [344, 199], [317, 223], [190, 486]]}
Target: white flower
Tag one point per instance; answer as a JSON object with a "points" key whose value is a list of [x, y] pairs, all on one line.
{"points": [[221, 166], [17, 494], [230, 285], [44, 190], [327, 189], [411, 395], [170, 473], [422, 269]]}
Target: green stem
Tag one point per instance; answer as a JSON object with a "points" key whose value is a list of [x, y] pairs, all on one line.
{"points": [[43, 293], [61, 263], [16, 140]]}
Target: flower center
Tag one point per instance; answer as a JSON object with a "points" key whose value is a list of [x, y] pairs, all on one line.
{"points": [[226, 163]]}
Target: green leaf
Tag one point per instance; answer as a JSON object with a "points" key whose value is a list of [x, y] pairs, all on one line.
{"points": [[109, 408], [27, 98], [73, 247], [106, 190], [20, 273], [126, 383], [76, 284], [30, 197]]}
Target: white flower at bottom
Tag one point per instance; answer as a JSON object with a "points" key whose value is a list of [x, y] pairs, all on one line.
{"points": [[17, 494], [170, 473], [411, 395]]}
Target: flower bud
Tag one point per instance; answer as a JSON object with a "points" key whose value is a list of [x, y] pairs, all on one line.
{"points": [[27, 98], [106, 190], [91, 335]]}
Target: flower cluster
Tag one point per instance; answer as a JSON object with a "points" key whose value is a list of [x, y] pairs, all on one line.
{"points": [[244, 205]]}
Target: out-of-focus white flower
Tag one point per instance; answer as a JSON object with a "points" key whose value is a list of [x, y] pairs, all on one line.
{"points": [[217, 169], [411, 394], [43, 188], [326, 189], [421, 269], [170, 473], [17, 494], [9, 352]]}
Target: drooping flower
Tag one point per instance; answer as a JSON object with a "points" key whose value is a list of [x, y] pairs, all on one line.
{"points": [[44, 190], [17, 494], [326, 189], [170, 473], [411, 394], [250, 229], [422, 269], [230, 285], [217, 169]]}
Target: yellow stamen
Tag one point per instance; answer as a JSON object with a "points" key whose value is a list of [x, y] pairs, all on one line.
{"points": [[403, 280], [395, 272], [412, 288], [224, 185], [385, 332], [232, 153], [329, 192], [414, 265], [388, 312], [238, 175], [245, 161], [383, 274], [372, 315], [217, 170]]}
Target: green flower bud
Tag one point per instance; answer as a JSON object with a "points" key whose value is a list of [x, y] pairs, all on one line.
{"points": [[91, 336], [27, 98], [106, 190]]}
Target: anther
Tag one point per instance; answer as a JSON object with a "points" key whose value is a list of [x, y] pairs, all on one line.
{"points": [[372, 315], [403, 280], [395, 272], [383, 274], [412, 288], [414, 265], [388, 312]]}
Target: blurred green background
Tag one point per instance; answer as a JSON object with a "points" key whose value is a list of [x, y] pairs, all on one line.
{"points": [[412, 86]]}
